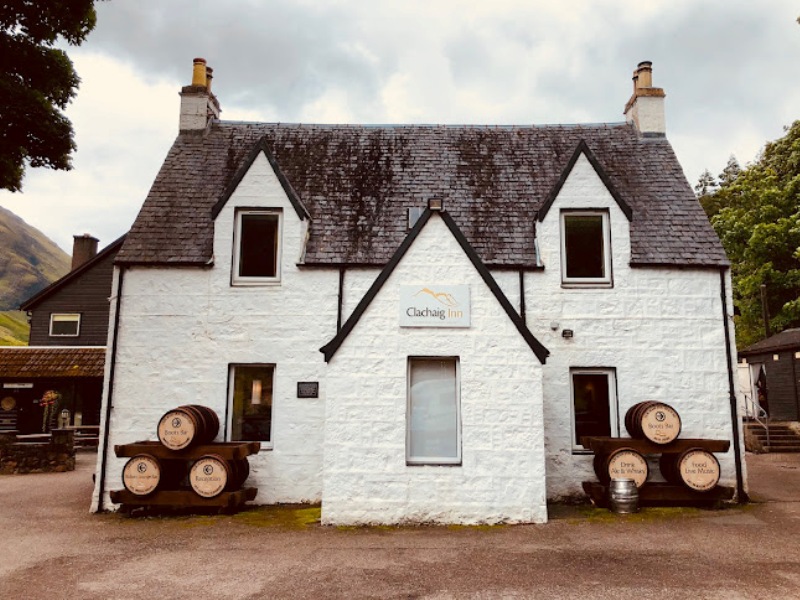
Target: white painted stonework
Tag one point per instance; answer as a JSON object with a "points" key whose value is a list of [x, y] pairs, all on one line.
{"points": [[648, 114], [501, 478], [661, 329]]}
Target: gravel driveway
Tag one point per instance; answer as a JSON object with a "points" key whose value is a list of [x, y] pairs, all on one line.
{"points": [[52, 547]]}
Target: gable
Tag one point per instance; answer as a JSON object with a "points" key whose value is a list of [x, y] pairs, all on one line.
{"points": [[584, 150], [538, 349]]}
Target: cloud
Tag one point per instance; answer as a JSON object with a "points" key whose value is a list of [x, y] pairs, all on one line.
{"points": [[727, 67]]}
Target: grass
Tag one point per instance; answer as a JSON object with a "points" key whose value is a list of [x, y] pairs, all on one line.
{"points": [[14, 329]]}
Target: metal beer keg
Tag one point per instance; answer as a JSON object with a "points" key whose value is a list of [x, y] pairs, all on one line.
{"points": [[623, 496]]}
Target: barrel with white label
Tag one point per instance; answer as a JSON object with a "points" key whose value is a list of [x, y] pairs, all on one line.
{"points": [[141, 475], [210, 475], [622, 463], [654, 421], [188, 425], [694, 468]]}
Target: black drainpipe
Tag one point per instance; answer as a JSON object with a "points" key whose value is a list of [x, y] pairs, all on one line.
{"points": [[522, 295], [341, 300], [741, 495], [109, 395]]}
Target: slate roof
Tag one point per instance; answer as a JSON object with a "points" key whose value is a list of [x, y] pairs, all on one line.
{"points": [[32, 302], [357, 182], [31, 362], [785, 340]]}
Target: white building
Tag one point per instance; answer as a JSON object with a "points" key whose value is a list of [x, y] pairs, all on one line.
{"points": [[467, 301]]}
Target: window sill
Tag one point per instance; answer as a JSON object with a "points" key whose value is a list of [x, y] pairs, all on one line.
{"points": [[432, 464], [574, 285], [255, 282]]}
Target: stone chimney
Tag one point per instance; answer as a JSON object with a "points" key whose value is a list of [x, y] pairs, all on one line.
{"points": [[645, 109], [84, 249], [198, 105]]}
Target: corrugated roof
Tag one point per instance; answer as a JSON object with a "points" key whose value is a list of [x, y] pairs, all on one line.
{"points": [[784, 340], [357, 183], [32, 362]]}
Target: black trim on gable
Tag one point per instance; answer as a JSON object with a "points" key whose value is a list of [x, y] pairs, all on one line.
{"points": [[331, 347], [538, 349], [583, 148], [31, 302], [258, 148]]}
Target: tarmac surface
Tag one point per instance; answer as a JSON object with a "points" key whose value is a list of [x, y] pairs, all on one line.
{"points": [[52, 547]]}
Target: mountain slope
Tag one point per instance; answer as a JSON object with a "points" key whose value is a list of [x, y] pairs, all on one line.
{"points": [[14, 328], [29, 261]]}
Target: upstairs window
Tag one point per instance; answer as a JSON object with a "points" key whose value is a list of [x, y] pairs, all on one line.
{"points": [[585, 248], [65, 325], [257, 247]]}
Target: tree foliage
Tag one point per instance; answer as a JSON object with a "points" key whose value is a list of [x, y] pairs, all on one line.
{"points": [[37, 81], [756, 213]]}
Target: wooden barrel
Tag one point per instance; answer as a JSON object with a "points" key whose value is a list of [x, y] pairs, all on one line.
{"points": [[695, 468], [141, 475], [188, 425], [622, 463], [211, 475], [654, 421]]}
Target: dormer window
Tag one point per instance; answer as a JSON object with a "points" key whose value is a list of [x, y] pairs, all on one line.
{"points": [[585, 248], [257, 247], [65, 324]]}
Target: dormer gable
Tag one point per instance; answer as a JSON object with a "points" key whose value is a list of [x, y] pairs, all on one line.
{"points": [[259, 148], [583, 150]]}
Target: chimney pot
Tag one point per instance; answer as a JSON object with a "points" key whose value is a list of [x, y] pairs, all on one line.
{"points": [[645, 109], [84, 249], [199, 73], [209, 77]]}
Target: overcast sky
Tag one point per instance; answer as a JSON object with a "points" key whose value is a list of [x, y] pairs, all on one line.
{"points": [[729, 68]]}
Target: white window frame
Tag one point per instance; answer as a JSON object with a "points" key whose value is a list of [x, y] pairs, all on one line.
{"points": [[613, 402], [605, 281], [239, 280], [229, 406], [433, 460], [73, 317]]}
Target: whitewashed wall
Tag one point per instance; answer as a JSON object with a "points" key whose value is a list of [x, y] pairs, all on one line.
{"points": [[181, 328], [366, 479], [661, 328]]}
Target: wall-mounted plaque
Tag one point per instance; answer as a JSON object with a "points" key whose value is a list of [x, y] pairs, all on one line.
{"points": [[18, 386], [308, 389]]}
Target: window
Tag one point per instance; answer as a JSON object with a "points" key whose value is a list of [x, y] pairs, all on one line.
{"points": [[594, 404], [585, 247], [65, 325], [257, 247], [250, 403], [433, 434]]}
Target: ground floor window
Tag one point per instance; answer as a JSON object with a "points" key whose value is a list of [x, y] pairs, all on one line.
{"points": [[433, 435], [250, 403], [594, 404]]}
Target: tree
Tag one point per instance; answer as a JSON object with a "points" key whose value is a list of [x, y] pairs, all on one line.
{"points": [[757, 217], [730, 172], [706, 184], [37, 81]]}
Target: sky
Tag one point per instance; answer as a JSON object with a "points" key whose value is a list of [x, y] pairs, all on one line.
{"points": [[728, 67]]}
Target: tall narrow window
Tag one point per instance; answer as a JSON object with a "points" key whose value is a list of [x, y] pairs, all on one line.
{"points": [[257, 250], [250, 405], [585, 248], [433, 435], [65, 325], [594, 404]]}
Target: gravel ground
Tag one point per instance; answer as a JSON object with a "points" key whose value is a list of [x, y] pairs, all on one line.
{"points": [[52, 547]]}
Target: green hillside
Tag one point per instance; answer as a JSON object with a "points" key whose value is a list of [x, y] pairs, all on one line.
{"points": [[14, 328], [29, 262]]}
